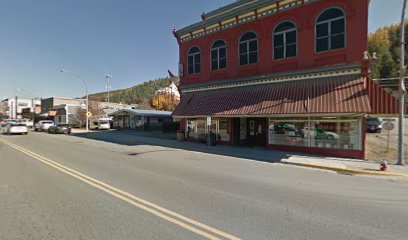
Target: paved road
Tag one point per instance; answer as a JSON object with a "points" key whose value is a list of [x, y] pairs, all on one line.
{"points": [[166, 193]]}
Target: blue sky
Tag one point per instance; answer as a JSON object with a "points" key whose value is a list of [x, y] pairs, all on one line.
{"points": [[131, 39]]}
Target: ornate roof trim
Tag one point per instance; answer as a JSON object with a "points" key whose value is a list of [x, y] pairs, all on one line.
{"points": [[235, 14]]}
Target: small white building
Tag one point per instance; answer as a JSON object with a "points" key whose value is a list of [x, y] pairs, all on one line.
{"points": [[172, 90]]}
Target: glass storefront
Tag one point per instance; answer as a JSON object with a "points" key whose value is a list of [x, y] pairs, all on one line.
{"points": [[323, 132], [196, 128]]}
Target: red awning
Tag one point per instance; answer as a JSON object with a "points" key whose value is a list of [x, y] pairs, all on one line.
{"points": [[346, 94]]}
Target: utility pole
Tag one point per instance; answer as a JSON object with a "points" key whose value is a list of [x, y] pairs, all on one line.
{"points": [[108, 76], [402, 90]]}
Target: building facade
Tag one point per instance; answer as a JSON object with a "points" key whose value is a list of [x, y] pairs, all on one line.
{"points": [[67, 110], [288, 75], [19, 108]]}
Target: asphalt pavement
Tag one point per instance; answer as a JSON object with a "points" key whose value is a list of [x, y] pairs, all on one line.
{"points": [[69, 187]]}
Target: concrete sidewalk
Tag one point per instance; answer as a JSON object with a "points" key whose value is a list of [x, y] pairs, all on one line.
{"points": [[340, 165], [347, 166]]}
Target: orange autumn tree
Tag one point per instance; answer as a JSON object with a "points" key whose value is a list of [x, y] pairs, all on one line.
{"points": [[165, 101], [94, 107]]}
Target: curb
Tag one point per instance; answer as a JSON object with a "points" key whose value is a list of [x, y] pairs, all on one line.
{"points": [[349, 171]]}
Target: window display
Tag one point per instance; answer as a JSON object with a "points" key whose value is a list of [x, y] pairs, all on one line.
{"points": [[333, 133], [197, 127]]}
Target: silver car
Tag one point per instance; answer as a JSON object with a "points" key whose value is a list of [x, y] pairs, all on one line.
{"points": [[43, 125], [15, 128]]}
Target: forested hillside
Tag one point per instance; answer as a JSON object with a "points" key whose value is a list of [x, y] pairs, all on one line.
{"points": [[386, 42], [142, 93]]}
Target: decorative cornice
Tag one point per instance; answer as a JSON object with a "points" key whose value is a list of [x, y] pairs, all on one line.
{"points": [[322, 73], [237, 14]]}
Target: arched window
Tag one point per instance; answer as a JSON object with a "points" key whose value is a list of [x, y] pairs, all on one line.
{"points": [[331, 30], [218, 55], [284, 41], [194, 60], [248, 49]]}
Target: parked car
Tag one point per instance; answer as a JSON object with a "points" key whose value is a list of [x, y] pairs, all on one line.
{"points": [[15, 128], [43, 125], [103, 124], [5, 122], [288, 130], [59, 128], [29, 123], [374, 125], [322, 134]]}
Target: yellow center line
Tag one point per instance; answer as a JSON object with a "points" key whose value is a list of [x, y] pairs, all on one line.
{"points": [[129, 198]]}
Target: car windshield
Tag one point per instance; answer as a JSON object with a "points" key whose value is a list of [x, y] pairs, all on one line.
{"points": [[18, 125], [47, 123], [104, 122], [62, 125], [374, 121]]}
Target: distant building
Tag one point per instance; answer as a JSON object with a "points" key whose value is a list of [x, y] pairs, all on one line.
{"points": [[171, 90], [66, 110], [26, 107], [140, 119]]}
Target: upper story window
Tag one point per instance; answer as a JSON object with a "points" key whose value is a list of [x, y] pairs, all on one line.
{"points": [[331, 30], [218, 55], [248, 49], [194, 59], [284, 41]]}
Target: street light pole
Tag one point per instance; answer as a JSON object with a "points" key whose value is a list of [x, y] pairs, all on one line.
{"points": [[87, 96], [108, 76], [402, 90]]}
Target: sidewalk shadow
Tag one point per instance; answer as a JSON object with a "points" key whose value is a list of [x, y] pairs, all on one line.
{"points": [[135, 138]]}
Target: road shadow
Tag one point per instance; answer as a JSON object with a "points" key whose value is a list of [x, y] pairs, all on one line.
{"points": [[136, 138]]}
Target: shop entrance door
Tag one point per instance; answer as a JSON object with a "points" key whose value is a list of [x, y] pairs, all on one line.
{"points": [[256, 133], [236, 131]]}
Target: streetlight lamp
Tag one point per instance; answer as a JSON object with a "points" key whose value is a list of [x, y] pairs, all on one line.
{"points": [[87, 97], [108, 76]]}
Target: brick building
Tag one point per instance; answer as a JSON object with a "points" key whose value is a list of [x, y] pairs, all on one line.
{"points": [[281, 74]]}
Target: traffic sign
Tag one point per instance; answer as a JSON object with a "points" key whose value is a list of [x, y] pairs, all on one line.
{"points": [[388, 126], [89, 114]]}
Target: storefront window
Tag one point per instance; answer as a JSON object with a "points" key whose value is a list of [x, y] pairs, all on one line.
{"points": [[223, 130], [197, 127], [191, 128], [201, 127], [342, 133]]}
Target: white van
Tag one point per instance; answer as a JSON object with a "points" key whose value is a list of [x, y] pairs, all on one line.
{"points": [[104, 124]]}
